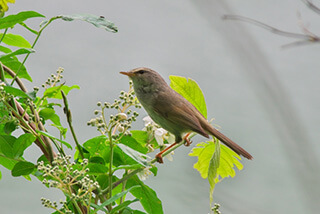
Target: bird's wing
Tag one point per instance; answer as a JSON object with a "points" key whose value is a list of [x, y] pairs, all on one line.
{"points": [[179, 112]]}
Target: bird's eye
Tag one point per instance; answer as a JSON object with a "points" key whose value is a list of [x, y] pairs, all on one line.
{"points": [[141, 72]]}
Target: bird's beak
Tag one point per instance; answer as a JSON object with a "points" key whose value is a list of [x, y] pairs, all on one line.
{"points": [[129, 74]]}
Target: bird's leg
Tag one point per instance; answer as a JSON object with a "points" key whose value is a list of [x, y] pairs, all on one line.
{"points": [[159, 155], [188, 142]]}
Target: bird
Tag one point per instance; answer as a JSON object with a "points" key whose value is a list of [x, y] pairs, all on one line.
{"points": [[172, 111]]}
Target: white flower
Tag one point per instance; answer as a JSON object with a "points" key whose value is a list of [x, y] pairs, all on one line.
{"points": [[159, 134], [143, 175]]}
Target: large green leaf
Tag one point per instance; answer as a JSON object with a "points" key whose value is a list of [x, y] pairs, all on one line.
{"points": [[134, 144], [98, 21], [190, 90], [55, 92], [228, 160], [98, 147], [15, 40], [22, 168], [22, 143], [147, 196], [14, 64], [11, 20], [6, 145]]}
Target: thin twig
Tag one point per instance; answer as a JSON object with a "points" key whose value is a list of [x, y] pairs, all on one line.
{"points": [[312, 6], [267, 27]]}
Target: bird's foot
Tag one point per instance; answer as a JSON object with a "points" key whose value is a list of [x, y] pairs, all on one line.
{"points": [[188, 142]]}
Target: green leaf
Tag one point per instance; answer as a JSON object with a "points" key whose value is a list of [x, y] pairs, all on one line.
{"points": [[16, 92], [50, 114], [98, 146], [228, 160], [14, 65], [5, 49], [98, 21], [122, 206], [55, 92], [97, 169], [142, 137], [112, 199], [0, 175], [9, 127], [15, 40], [11, 20], [131, 142], [23, 142], [190, 90], [6, 145], [16, 52], [22, 168], [52, 137], [148, 197], [135, 155]]}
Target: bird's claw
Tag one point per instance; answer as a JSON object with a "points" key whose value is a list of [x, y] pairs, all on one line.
{"points": [[188, 142]]}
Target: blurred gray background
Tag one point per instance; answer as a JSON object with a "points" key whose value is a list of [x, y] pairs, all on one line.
{"points": [[264, 97]]}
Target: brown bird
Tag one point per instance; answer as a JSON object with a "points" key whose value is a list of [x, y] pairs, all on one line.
{"points": [[172, 111]]}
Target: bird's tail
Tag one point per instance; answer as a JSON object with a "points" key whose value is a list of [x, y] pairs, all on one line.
{"points": [[232, 145]]}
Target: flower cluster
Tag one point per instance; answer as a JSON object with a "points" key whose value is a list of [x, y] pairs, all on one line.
{"points": [[215, 209], [69, 177], [161, 135], [54, 79], [123, 118]]}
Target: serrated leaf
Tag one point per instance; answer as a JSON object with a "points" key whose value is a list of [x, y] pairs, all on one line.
{"points": [[228, 160], [15, 40], [22, 168], [11, 20], [20, 51], [190, 90], [55, 92], [98, 21], [147, 196]]}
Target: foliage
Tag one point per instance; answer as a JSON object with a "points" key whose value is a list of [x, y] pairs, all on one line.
{"points": [[107, 167]]}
